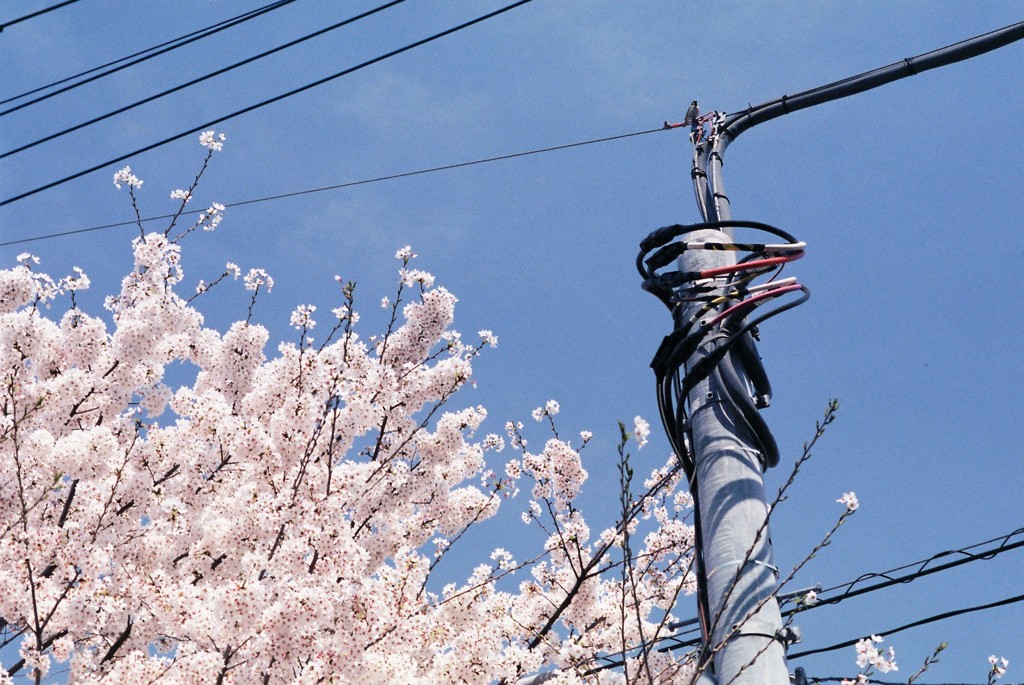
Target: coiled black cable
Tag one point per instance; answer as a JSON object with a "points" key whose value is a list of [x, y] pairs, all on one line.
{"points": [[712, 316], [711, 310]]}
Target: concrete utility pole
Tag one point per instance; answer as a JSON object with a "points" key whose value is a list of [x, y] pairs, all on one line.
{"points": [[711, 383], [710, 388], [739, 573]]}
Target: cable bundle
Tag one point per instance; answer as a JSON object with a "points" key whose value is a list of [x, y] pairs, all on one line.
{"points": [[712, 310], [715, 306]]}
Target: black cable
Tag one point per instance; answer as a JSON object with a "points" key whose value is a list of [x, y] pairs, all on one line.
{"points": [[155, 51], [923, 569], [12, 22], [702, 368], [266, 102], [338, 186], [677, 348], [661, 237], [704, 618], [1004, 546], [760, 434], [908, 626], [200, 79], [738, 122], [755, 371]]}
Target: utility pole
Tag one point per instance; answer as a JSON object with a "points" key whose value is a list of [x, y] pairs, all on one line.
{"points": [[739, 571], [711, 383]]}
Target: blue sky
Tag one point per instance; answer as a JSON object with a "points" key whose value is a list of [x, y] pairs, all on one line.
{"points": [[908, 196]]}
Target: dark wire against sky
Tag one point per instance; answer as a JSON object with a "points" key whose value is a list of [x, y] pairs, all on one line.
{"points": [[339, 186], [269, 101]]}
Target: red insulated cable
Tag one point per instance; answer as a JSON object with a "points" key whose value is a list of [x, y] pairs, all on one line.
{"points": [[768, 294], [750, 266]]}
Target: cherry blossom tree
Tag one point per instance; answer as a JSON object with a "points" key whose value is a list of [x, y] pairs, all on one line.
{"points": [[282, 517]]}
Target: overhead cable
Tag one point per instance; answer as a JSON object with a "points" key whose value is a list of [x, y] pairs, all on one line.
{"points": [[908, 626], [338, 186], [923, 568], [738, 122], [200, 79], [1010, 541], [143, 55], [968, 554], [12, 22], [266, 102]]}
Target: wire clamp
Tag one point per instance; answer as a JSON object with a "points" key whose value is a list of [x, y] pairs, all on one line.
{"points": [[789, 635], [755, 627]]}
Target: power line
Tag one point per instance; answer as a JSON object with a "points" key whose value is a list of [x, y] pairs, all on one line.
{"points": [[922, 566], [738, 122], [338, 186], [266, 102], [12, 22], [182, 86], [154, 51], [915, 624], [612, 663]]}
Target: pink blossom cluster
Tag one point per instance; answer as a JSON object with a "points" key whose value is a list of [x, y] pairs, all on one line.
{"points": [[280, 519], [870, 658], [997, 667]]}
